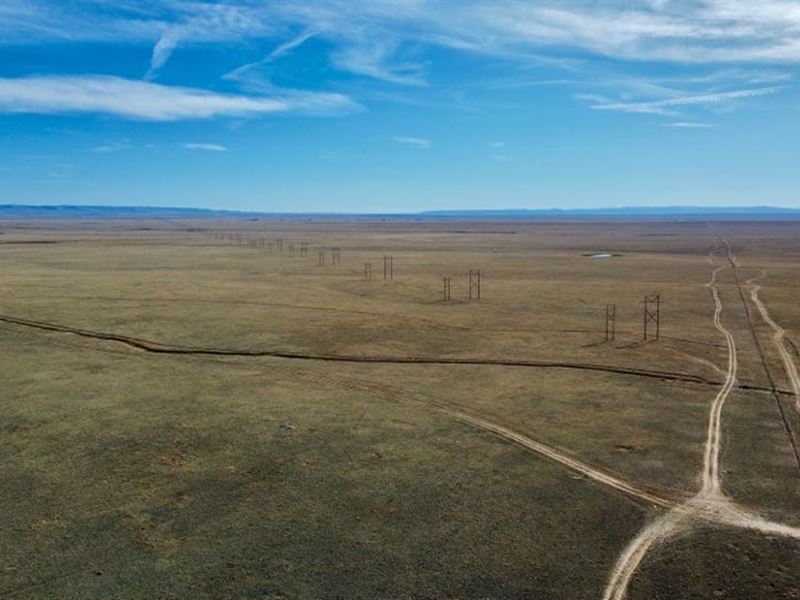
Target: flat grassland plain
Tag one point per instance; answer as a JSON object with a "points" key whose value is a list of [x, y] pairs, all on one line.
{"points": [[187, 412]]}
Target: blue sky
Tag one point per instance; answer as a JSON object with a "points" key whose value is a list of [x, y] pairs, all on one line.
{"points": [[399, 106]]}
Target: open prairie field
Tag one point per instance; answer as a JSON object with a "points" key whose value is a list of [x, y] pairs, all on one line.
{"points": [[272, 409]]}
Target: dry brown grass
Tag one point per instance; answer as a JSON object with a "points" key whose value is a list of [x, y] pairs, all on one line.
{"points": [[129, 474]]}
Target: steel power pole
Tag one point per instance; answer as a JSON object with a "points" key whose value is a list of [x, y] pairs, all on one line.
{"points": [[652, 314], [611, 322], [474, 284]]}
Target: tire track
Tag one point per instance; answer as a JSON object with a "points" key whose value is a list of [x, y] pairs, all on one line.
{"points": [[788, 363], [669, 523], [710, 503], [773, 389], [496, 429], [578, 466], [777, 339]]}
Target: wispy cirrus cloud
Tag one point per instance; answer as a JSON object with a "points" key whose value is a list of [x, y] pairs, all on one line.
{"points": [[292, 43], [243, 73], [421, 143], [666, 107], [367, 36], [135, 99], [688, 125], [112, 147], [204, 146], [681, 32], [208, 23], [371, 59], [498, 151], [391, 42]]}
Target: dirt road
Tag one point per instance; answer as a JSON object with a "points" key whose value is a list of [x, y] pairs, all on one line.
{"points": [[710, 503], [777, 340]]}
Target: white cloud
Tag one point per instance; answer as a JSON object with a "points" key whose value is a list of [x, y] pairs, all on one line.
{"points": [[371, 58], [244, 73], [291, 44], [144, 100], [204, 146], [421, 143], [702, 31], [497, 144], [688, 125], [666, 107], [161, 52], [683, 32], [112, 147], [746, 42], [195, 22]]}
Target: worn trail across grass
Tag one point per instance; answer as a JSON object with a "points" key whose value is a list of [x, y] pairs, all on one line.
{"points": [[777, 340], [683, 512], [710, 503]]}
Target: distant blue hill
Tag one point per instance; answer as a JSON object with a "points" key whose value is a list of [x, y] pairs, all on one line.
{"points": [[622, 212], [19, 211], [66, 211]]}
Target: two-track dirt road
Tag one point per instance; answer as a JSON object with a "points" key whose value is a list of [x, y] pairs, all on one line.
{"points": [[710, 503], [777, 339]]}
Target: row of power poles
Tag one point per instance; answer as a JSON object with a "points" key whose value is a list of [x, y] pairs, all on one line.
{"points": [[274, 246], [282, 247], [336, 257], [388, 268], [651, 303], [474, 290], [651, 318]]}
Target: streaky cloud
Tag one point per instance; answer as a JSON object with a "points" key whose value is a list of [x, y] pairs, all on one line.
{"points": [[688, 125], [421, 143], [145, 100], [204, 146], [663, 107]]}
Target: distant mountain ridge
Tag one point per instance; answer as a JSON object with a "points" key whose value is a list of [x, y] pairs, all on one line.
{"points": [[89, 212], [67, 211], [620, 211]]}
